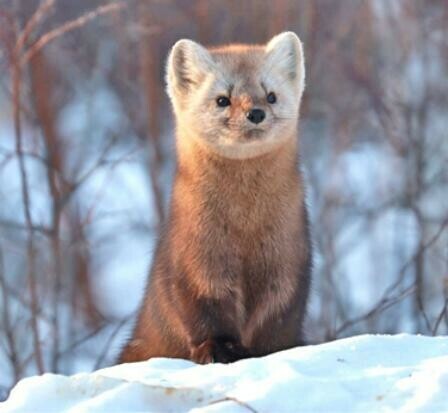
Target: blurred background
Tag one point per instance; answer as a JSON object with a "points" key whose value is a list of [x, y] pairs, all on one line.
{"points": [[87, 158]]}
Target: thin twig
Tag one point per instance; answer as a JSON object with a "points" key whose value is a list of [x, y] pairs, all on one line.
{"points": [[7, 324], [106, 348], [423, 248], [379, 307], [27, 305], [440, 317], [23, 227], [235, 400], [82, 340]]}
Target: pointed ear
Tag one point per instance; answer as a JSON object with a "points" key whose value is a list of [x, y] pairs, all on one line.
{"points": [[285, 52], [188, 64]]}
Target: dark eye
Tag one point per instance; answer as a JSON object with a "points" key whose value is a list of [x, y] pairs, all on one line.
{"points": [[223, 101], [271, 98]]}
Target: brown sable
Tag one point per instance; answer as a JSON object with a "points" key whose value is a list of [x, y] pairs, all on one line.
{"points": [[231, 272]]}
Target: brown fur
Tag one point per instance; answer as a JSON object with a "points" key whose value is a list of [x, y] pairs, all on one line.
{"points": [[231, 273]]}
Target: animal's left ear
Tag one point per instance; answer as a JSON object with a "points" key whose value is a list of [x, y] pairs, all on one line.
{"points": [[285, 52]]}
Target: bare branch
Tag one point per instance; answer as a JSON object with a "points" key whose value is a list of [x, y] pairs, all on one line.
{"points": [[68, 27], [42, 12], [16, 75]]}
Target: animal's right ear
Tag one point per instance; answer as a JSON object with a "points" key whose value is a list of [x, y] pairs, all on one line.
{"points": [[188, 64]]}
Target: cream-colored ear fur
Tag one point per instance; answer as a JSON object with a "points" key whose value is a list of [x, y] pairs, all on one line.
{"points": [[285, 53], [188, 64]]}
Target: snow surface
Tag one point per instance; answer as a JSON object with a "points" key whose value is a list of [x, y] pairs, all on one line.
{"points": [[402, 373]]}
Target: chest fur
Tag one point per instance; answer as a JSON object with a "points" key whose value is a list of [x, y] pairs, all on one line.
{"points": [[241, 240]]}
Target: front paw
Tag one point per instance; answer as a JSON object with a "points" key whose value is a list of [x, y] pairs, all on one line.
{"points": [[219, 350], [228, 350]]}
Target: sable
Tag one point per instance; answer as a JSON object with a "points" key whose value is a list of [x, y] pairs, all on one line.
{"points": [[231, 272]]}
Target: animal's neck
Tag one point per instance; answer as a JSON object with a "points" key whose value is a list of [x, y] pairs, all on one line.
{"points": [[200, 167], [242, 193]]}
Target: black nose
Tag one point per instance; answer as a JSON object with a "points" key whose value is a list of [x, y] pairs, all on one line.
{"points": [[256, 115]]}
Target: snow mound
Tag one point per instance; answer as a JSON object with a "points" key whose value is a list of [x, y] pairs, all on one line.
{"points": [[402, 373]]}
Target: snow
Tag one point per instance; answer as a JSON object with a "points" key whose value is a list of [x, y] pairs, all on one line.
{"points": [[369, 373]]}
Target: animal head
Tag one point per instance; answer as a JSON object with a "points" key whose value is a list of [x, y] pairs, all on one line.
{"points": [[239, 101]]}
